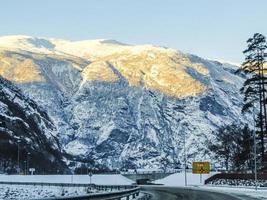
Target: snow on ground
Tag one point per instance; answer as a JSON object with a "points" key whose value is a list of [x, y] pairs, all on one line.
{"points": [[178, 179], [37, 191], [99, 179], [193, 181], [238, 182], [261, 193]]}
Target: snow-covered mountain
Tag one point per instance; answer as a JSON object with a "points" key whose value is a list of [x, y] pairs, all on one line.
{"points": [[124, 105], [23, 122]]}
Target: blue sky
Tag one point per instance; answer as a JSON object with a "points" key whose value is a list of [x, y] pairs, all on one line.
{"points": [[209, 28]]}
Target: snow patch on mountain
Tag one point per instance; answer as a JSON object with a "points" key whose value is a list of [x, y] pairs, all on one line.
{"points": [[124, 105]]}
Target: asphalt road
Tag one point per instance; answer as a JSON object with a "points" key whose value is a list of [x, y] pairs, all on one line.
{"points": [[176, 193]]}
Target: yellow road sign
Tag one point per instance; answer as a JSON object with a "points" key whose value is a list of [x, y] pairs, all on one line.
{"points": [[201, 167]]}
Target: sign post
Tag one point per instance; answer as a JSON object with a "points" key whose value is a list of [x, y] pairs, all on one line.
{"points": [[90, 175], [201, 168]]}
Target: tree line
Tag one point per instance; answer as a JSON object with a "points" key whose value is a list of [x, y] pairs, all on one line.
{"points": [[233, 145], [235, 142]]}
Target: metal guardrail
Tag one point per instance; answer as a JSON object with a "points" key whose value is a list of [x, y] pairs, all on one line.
{"points": [[99, 187], [103, 196], [123, 191]]}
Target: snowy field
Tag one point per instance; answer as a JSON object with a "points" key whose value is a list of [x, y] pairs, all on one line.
{"points": [[113, 179], [35, 192], [178, 179]]}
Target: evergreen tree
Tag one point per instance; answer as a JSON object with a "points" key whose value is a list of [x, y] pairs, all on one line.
{"points": [[254, 88], [244, 147], [223, 147], [234, 146]]}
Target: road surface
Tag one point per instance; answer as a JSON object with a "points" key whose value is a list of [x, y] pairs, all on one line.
{"points": [[176, 193]]}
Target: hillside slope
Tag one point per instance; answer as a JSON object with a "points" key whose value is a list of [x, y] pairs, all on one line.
{"points": [[24, 124], [125, 105]]}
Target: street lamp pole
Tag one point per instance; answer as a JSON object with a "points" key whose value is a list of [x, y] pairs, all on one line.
{"points": [[28, 154], [25, 167], [90, 176], [18, 157], [255, 151], [185, 161], [26, 162]]}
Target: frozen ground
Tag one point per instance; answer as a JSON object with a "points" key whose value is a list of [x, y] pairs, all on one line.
{"points": [[35, 192], [114, 179]]}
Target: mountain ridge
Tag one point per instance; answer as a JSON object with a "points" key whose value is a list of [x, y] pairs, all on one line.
{"points": [[128, 106], [126, 56]]}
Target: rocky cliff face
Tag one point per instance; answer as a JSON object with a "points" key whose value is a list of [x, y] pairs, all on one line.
{"points": [[25, 126], [124, 105]]}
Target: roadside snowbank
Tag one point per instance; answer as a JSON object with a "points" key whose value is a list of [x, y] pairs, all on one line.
{"points": [[261, 193], [99, 179], [178, 179], [34, 192], [38, 191]]}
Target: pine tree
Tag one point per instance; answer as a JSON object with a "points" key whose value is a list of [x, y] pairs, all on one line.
{"points": [[244, 146], [254, 88], [222, 147], [233, 145]]}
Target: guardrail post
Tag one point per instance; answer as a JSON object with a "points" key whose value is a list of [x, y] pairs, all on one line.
{"points": [[133, 195]]}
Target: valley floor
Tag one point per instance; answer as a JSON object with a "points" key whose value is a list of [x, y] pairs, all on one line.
{"points": [[173, 185], [8, 191]]}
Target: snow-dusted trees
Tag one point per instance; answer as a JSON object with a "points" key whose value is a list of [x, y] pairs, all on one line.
{"points": [[254, 88]]}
